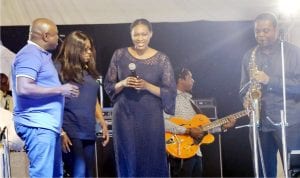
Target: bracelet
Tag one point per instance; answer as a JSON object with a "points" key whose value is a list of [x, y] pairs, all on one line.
{"points": [[62, 133]]}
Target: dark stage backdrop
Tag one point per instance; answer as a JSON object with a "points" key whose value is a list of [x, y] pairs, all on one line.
{"points": [[212, 50]]}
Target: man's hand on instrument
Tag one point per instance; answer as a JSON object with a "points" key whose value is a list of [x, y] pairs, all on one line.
{"points": [[246, 104], [231, 123], [196, 133], [261, 77]]}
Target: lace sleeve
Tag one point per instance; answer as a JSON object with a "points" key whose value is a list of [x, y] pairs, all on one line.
{"points": [[111, 77], [168, 87]]}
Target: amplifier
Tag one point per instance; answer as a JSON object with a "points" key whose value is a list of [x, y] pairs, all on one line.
{"points": [[294, 163], [107, 114], [204, 102], [208, 107], [105, 156]]}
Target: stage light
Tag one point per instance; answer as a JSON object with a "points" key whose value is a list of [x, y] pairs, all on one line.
{"points": [[287, 11], [288, 7]]}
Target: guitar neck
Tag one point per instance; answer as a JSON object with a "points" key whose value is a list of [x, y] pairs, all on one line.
{"points": [[224, 120]]}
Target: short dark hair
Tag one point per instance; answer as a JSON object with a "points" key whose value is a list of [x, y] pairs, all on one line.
{"points": [[3, 78], [141, 21], [4, 82], [267, 16], [182, 73]]}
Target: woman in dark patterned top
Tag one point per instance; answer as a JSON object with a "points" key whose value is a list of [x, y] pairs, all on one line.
{"points": [[140, 83]]}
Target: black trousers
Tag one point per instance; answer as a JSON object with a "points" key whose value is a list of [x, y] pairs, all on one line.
{"points": [[190, 167]]}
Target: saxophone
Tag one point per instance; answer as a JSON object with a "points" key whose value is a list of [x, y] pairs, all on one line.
{"points": [[255, 87], [253, 95]]}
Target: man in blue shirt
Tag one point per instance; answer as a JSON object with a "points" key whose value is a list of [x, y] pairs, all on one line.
{"points": [[39, 99]]}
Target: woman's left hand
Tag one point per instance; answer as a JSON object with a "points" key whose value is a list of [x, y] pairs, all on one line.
{"points": [[105, 134], [66, 142], [140, 84]]}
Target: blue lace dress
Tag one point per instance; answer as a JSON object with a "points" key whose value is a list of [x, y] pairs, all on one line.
{"points": [[138, 124]]}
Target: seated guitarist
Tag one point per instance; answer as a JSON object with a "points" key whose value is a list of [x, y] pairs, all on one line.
{"points": [[185, 108]]}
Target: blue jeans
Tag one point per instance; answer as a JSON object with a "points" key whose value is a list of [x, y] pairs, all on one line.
{"points": [[271, 142], [43, 148], [80, 162]]}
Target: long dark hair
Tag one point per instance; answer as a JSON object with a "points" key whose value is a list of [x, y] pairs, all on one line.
{"points": [[69, 57]]}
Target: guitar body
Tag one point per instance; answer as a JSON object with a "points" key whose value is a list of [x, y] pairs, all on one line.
{"points": [[184, 146]]}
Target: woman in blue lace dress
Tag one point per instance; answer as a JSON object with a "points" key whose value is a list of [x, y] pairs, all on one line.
{"points": [[140, 83]]}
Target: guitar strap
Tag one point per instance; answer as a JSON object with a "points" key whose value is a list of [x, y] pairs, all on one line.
{"points": [[195, 107]]}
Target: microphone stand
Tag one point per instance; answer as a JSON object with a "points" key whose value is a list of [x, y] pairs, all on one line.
{"points": [[256, 145], [283, 122], [4, 154], [100, 82], [255, 122], [255, 117]]}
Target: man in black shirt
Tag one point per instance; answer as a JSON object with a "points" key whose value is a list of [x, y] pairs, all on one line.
{"points": [[266, 56]]}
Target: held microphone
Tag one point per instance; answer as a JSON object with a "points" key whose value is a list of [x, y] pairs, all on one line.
{"points": [[132, 68]]}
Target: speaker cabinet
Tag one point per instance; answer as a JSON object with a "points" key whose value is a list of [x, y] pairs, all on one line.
{"points": [[106, 159], [294, 163], [212, 158], [106, 166], [208, 107], [212, 153]]}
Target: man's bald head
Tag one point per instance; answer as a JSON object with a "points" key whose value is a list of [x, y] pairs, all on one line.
{"points": [[44, 32]]}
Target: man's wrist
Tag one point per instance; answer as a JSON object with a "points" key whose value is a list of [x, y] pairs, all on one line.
{"points": [[188, 131], [62, 133], [223, 129]]}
